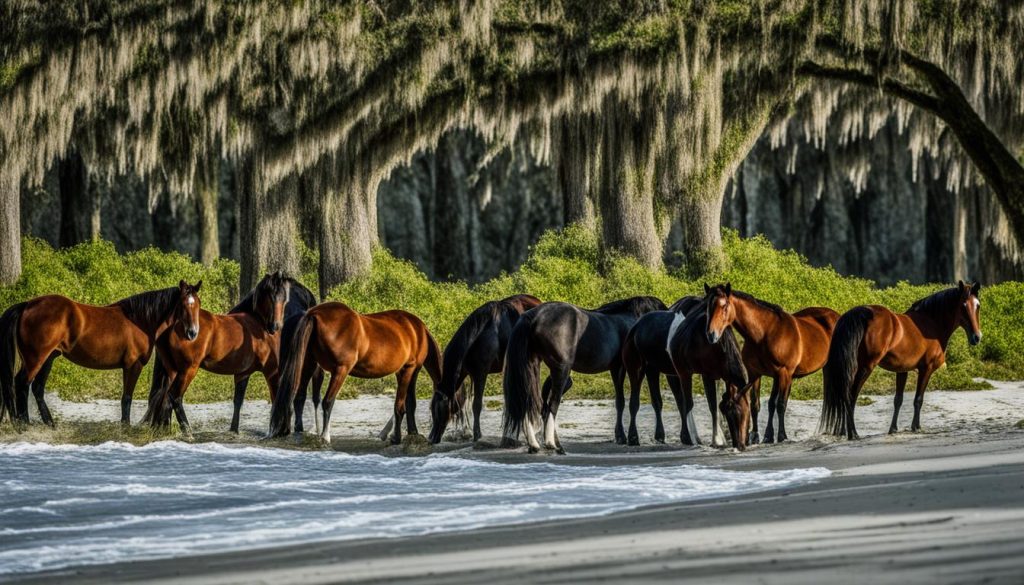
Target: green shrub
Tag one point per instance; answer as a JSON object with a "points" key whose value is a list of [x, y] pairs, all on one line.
{"points": [[562, 265]]}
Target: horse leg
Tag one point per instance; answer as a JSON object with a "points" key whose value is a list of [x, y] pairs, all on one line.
{"points": [[858, 382], [177, 397], [620, 405], [922, 382], [129, 378], [785, 385], [39, 389], [410, 403], [711, 395], [337, 377], [654, 387], [318, 382], [755, 407], [241, 383], [633, 437], [688, 434], [558, 387], [479, 381], [298, 406], [897, 399], [403, 376], [769, 430]]}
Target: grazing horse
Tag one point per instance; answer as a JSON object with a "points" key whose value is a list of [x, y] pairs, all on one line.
{"points": [[778, 344], [568, 339], [645, 355], [476, 349], [118, 336], [872, 335], [346, 343], [277, 302], [237, 344], [692, 352]]}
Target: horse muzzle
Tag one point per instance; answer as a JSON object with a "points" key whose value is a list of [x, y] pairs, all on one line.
{"points": [[713, 337], [274, 327], [191, 334], [974, 338]]}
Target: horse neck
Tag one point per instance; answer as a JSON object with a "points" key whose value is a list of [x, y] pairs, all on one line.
{"points": [[752, 320], [945, 324]]}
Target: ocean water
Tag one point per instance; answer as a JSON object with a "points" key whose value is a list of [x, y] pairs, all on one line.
{"points": [[67, 505]]}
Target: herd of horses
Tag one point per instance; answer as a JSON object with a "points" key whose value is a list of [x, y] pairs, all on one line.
{"points": [[279, 330]]}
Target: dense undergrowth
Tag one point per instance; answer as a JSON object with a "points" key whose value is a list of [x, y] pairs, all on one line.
{"points": [[563, 265]]}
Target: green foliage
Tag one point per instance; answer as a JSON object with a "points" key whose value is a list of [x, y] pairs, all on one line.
{"points": [[562, 265]]}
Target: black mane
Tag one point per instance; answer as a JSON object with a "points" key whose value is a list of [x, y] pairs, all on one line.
{"points": [[686, 304], [938, 302], [150, 308], [636, 305]]}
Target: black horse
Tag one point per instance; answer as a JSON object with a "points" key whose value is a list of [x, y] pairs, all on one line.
{"points": [[692, 353], [476, 350], [645, 355], [278, 302], [567, 338]]}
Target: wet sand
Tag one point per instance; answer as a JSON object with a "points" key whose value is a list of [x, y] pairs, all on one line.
{"points": [[942, 506]]}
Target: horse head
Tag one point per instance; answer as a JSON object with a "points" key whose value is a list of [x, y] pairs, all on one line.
{"points": [[187, 312], [720, 310], [270, 300], [969, 317]]}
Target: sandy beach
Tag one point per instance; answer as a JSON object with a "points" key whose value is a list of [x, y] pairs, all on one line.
{"points": [[944, 506]]}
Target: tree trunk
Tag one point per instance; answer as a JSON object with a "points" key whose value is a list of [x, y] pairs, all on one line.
{"points": [[206, 211], [626, 203], [701, 219], [452, 247], [79, 204], [10, 229], [571, 167], [268, 228], [347, 236]]}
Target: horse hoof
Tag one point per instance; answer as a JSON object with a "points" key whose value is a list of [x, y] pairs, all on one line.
{"points": [[620, 440], [892, 430], [533, 450], [560, 451], [633, 442], [753, 439], [507, 443], [769, 439]]}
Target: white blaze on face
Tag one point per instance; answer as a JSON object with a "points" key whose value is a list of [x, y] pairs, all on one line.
{"points": [[676, 322], [190, 300]]}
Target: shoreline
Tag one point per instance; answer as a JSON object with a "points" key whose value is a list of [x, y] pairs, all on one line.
{"points": [[945, 504]]}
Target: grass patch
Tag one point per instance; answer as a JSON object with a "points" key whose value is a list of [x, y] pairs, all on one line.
{"points": [[562, 265]]}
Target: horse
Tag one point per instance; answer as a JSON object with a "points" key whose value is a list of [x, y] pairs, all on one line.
{"points": [[872, 335], [345, 343], [277, 302], [692, 352], [776, 343], [237, 344], [476, 350], [117, 336], [645, 355], [567, 339]]}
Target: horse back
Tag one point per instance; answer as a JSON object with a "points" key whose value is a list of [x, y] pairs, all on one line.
{"points": [[91, 336]]}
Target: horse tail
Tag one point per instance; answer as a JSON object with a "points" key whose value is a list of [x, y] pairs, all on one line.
{"points": [[522, 379], [8, 350], [840, 370], [159, 410], [291, 375], [433, 362], [734, 368], [456, 350]]}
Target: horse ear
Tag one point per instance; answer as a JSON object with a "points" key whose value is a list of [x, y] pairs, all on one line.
{"points": [[961, 285], [728, 289], [182, 284], [707, 289], [976, 288], [198, 286]]}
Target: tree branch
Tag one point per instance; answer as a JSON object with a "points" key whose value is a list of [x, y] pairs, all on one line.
{"points": [[888, 85]]}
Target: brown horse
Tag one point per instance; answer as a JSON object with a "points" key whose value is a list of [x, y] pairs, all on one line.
{"points": [[778, 344], [872, 335], [345, 343], [237, 344], [118, 336]]}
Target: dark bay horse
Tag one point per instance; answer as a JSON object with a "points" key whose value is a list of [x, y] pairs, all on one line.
{"points": [[277, 302], [778, 344], [568, 339], [118, 336], [872, 335], [237, 344], [645, 355], [692, 352], [476, 350], [345, 343]]}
